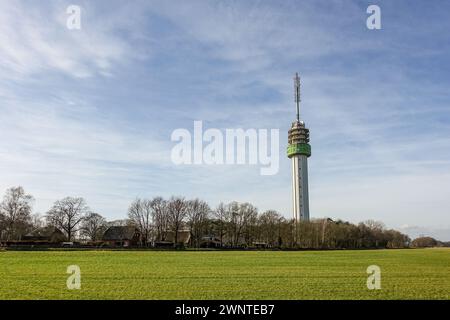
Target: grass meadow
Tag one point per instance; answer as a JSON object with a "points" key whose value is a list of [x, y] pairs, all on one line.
{"points": [[405, 274]]}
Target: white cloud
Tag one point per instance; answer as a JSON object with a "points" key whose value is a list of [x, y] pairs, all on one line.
{"points": [[254, 35], [35, 39], [442, 234]]}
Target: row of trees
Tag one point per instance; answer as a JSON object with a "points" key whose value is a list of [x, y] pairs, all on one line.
{"points": [[156, 217], [239, 224], [233, 224], [428, 242], [70, 215]]}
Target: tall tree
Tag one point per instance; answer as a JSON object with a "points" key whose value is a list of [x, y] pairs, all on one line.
{"points": [[197, 217], [177, 211], [249, 220], [424, 242], [220, 215], [93, 226], [140, 213], [67, 214], [234, 224], [15, 210], [2, 226], [242, 218], [269, 227], [160, 213]]}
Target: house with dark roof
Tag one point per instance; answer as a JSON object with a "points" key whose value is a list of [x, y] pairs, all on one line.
{"points": [[45, 235], [183, 238], [122, 236], [210, 242]]}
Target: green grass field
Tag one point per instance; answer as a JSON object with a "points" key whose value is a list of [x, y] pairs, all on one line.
{"points": [[405, 274]]}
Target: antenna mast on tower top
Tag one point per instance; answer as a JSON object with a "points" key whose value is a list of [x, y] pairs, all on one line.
{"points": [[297, 94]]}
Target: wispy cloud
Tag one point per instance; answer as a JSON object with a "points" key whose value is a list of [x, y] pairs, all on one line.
{"points": [[35, 39]]}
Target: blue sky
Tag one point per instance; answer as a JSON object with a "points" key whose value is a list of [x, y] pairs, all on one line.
{"points": [[90, 112]]}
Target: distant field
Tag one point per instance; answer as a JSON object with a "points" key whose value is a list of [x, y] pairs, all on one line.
{"points": [[406, 274]]}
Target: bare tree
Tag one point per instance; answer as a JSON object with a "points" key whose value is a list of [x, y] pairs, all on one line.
{"points": [[160, 217], [396, 239], [269, 223], [376, 231], [424, 242], [197, 216], [37, 221], [220, 214], [67, 214], [375, 225], [140, 213], [177, 213], [241, 220], [2, 226], [287, 233], [15, 210], [93, 226], [233, 222], [249, 219]]}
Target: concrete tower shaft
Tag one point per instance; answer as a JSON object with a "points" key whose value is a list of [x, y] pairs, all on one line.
{"points": [[300, 196]]}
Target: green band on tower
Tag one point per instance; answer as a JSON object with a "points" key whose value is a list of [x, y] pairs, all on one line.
{"points": [[299, 148]]}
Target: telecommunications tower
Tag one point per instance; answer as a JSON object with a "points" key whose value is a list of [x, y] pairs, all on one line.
{"points": [[298, 151]]}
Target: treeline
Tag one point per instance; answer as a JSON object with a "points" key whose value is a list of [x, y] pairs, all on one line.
{"points": [[230, 225], [70, 215], [240, 225], [428, 242]]}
